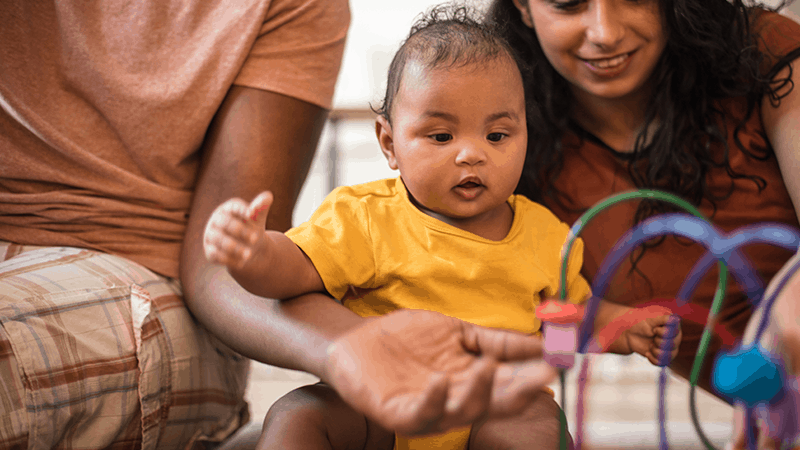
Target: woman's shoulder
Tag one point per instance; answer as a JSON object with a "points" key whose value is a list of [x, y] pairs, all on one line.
{"points": [[777, 34]]}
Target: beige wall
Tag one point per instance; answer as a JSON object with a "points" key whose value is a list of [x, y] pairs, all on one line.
{"points": [[794, 9]]}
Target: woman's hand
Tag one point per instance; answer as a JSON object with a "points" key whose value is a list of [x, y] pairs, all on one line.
{"points": [[781, 419], [421, 372]]}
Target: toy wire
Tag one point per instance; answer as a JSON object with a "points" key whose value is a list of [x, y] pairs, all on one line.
{"points": [[721, 248], [591, 309], [773, 295], [699, 358], [723, 255], [772, 234]]}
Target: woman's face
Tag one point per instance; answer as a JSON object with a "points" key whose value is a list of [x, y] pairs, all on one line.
{"points": [[607, 49]]}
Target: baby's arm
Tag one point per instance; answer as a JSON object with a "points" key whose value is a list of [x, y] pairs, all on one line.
{"points": [[265, 262]]}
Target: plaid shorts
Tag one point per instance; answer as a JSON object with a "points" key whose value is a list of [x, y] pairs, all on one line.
{"points": [[99, 352]]}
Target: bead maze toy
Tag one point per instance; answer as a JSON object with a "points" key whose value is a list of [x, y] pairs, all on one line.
{"points": [[748, 374]]}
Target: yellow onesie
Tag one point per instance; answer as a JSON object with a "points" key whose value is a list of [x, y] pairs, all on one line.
{"points": [[371, 239]]}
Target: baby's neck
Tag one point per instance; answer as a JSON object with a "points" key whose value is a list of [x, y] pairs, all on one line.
{"points": [[493, 225]]}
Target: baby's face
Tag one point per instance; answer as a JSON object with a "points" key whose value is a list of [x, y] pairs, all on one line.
{"points": [[458, 137]]}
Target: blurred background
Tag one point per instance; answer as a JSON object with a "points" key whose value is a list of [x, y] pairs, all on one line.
{"points": [[622, 396]]}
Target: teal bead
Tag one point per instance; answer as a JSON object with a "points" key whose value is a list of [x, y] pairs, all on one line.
{"points": [[747, 374]]}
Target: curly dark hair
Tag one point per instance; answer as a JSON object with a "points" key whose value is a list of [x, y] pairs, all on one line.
{"points": [[448, 35], [712, 53]]}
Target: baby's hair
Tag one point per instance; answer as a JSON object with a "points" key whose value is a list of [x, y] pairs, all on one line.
{"points": [[447, 36]]}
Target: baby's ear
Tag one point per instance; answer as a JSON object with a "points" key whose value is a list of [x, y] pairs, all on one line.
{"points": [[383, 129]]}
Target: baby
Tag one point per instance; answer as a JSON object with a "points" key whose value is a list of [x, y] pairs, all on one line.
{"points": [[447, 235]]}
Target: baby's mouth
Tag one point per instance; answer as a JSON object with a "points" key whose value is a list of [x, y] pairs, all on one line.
{"points": [[469, 188]]}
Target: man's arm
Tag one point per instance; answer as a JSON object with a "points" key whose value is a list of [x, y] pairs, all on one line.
{"points": [[258, 141]]}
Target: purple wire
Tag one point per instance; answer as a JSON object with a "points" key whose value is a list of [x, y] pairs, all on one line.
{"points": [[775, 234], [719, 248], [583, 376], [773, 295], [662, 411]]}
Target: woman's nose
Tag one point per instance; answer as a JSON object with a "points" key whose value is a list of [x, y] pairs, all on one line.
{"points": [[604, 24]]}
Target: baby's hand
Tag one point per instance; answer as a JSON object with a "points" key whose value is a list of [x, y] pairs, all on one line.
{"points": [[235, 231], [648, 336]]}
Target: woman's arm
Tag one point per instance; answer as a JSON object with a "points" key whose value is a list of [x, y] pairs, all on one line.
{"points": [[782, 125]]}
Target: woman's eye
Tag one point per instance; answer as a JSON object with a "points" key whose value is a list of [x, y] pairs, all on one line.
{"points": [[495, 137], [441, 137], [567, 5]]}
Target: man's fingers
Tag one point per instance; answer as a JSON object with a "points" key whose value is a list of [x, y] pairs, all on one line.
{"points": [[419, 416], [502, 345], [471, 402], [516, 383]]}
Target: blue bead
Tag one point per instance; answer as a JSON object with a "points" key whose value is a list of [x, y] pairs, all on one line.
{"points": [[746, 374]]}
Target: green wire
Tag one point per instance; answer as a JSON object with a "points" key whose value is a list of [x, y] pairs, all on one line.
{"points": [[587, 217], [700, 357], [716, 305]]}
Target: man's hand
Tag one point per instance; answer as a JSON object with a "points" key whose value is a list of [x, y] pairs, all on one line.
{"points": [[421, 372]]}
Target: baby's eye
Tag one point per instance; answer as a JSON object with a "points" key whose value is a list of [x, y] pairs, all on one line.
{"points": [[495, 137], [441, 137]]}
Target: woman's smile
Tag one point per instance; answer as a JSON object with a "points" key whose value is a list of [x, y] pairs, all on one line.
{"points": [[608, 67], [604, 48]]}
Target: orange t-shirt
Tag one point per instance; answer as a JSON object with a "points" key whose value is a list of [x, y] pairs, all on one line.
{"points": [[103, 109], [593, 171]]}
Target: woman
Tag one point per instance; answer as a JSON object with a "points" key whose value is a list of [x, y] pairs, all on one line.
{"points": [[694, 97]]}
